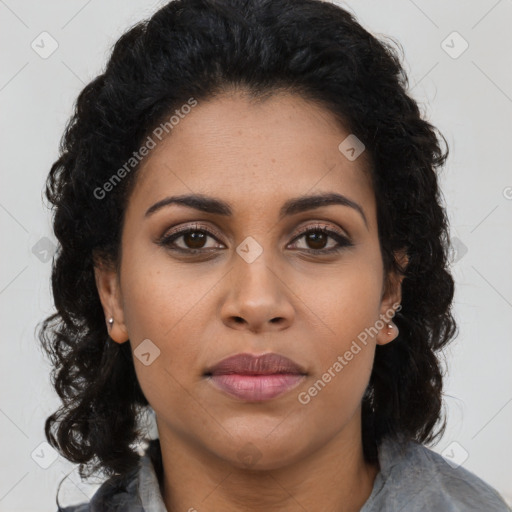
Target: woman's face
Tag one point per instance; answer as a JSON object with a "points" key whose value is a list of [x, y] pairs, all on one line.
{"points": [[248, 279]]}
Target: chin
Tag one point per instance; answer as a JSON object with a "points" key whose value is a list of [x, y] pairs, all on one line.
{"points": [[263, 455]]}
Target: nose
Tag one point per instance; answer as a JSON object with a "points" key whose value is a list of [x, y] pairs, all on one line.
{"points": [[257, 297]]}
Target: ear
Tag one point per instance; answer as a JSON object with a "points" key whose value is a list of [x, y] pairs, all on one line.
{"points": [[107, 283], [391, 299]]}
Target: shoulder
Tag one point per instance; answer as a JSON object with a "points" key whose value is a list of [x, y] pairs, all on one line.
{"points": [[115, 494], [135, 491], [415, 478]]}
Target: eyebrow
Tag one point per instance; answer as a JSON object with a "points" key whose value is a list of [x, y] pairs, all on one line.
{"points": [[291, 207]]}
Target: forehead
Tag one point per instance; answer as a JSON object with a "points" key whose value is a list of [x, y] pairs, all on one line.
{"points": [[253, 154]]}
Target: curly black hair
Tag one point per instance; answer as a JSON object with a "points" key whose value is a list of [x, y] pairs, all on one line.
{"points": [[201, 49]]}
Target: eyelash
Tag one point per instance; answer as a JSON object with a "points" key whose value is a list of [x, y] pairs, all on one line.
{"points": [[168, 238]]}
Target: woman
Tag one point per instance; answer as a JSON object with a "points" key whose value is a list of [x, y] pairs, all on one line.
{"points": [[253, 247]]}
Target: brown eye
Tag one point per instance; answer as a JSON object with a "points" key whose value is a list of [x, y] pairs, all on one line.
{"points": [[192, 240], [195, 239], [317, 240]]}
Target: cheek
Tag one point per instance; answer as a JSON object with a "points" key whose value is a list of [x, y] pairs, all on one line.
{"points": [[158, 297], [345, 355], [170, 309], [343, 300], [345, 362], [334, 397], [347, 308], [174, 328]]}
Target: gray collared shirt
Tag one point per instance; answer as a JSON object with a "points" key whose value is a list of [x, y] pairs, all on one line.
{"points": [[412, 478]]}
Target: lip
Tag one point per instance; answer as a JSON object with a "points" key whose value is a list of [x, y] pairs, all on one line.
{"points": [[256, 378], [250, 364]]}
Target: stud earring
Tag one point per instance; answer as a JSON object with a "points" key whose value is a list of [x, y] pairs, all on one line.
{"points": [[111, 322], [392, 327]]}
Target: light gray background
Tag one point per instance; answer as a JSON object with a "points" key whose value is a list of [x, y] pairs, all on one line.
{"points": [[468, 97]]}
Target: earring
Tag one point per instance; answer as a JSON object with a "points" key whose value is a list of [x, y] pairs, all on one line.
{"points": [[111, 322], [392, 327]]}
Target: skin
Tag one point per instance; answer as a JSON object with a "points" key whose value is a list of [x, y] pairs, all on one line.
{"points": [[200, 309]]}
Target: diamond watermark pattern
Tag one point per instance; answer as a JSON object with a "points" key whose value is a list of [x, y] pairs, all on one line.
{"points": [[454, 45], [249, 455], [455, 454], [44, 249], [146, 352], [44, 455], [44, 45], [459, 249], [351, 147], [249, 249]]}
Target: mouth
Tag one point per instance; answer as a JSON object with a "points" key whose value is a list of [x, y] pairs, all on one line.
{"points": [[255, 378]]}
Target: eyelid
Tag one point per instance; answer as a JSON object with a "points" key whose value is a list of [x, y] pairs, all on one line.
{"points": [[342, 239], [195, 227], [321, 225], [318, 224]]}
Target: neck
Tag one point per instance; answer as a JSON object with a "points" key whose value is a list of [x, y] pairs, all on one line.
{"points": [[335, 478]]}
